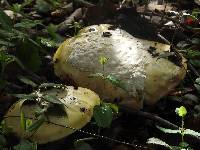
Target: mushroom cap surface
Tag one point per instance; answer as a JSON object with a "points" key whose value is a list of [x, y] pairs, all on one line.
{"points": [[78, 109], [132, 61]]}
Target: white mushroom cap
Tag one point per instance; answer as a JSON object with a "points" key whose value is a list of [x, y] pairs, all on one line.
{"points": [[78, 105], [130, 59]]}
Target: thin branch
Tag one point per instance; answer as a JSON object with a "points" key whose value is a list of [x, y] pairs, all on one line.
{"points": [[150, 116], [63, 26], [191, 67]]}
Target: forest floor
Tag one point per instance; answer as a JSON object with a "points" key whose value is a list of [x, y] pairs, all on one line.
{"points": [[41, 25]]}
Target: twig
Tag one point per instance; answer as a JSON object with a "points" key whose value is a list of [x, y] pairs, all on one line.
{"points": [[67, 9], [163, 15], [63, 26], [154, 118], [174, 49], [164, 39], [83, 3], [150, 116], [193, 69]]}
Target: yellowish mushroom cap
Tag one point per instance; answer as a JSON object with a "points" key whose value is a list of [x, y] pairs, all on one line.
{"points": [[135, 62], [78, 108]]}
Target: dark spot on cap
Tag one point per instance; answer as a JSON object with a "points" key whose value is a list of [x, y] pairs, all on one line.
{"points": [[75, 87], [106, 34], [91, 29], [152, 51], [56, 60], [113, 27], [83, 109]]}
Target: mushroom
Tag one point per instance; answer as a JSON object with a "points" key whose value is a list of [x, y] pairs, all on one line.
{"points": [[77, 111], [141, 66]]}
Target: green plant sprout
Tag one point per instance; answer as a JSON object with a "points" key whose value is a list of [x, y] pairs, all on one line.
{"points": [[181, 112], [111, 78], [103, 60]]}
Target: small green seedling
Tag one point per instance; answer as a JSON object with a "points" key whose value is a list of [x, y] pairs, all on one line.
{"points": [[181, 112], [111, 78], [103, 60]]}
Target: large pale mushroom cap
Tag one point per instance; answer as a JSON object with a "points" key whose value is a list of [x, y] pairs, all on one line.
{"points": [[78, 108], [131, 60]]}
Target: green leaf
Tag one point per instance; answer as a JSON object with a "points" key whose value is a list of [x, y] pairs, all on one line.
{"points": [[165, 55], [195, 41], [42, 6], [16, 8], [39, 111], [2, 140], [157, 141], [27, 23], [116, 82], [197, 86], [52, 29], [26, 96], [103, 60], [56, 110], [28, 123], [191, 97], [103, 115], [25, 145], [192, 53], [6, 43], [5, 58], [183, 144], [22, 121], [4, 34], [191, 132], [168, 130], [52, 99], [28, 53], [48, 42], [4, 129], [27, 2], [114, 107], [181, 111], [97, 75], [5, 21], [197, 80], [195, 62], [35, 125], [35, 61], [19, 35], [19, 62], [27, 81], [50, 85]]}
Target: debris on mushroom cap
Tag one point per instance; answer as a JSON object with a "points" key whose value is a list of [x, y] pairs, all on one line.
{"points": [[139, 64], [56, 123]]}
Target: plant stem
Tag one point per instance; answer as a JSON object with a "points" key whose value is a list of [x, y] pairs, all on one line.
{"points": [[182, 129]]}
